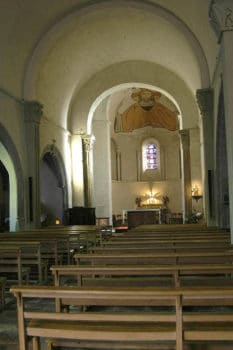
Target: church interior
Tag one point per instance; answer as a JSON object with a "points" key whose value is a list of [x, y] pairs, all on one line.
{"points": [[116, 120]]}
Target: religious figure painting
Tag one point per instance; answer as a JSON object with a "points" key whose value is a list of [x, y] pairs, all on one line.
{"points": [[146, 110]]}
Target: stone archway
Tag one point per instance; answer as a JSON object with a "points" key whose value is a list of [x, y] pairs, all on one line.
{"points": [[53, 187], [10, 159], [4, 198]]}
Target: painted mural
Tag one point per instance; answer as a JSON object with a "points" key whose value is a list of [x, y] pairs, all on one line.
{"points": [[146, 110]]}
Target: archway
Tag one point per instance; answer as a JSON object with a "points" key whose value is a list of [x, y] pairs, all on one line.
{"points": [[8, 165], [124, 189], [53, 189], [4, 198]]}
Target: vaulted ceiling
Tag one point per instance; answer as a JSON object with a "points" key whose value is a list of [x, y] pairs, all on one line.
{"points": [[69, 54]]}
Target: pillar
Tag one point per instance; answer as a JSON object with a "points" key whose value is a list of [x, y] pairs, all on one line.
{"points": [[77, 170], [118, 162], [32, 116], [88, 142], [205, 103], [186, 172], [221, 19]]}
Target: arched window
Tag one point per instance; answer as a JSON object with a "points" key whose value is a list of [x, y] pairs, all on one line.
{"points": [[151, 155]]}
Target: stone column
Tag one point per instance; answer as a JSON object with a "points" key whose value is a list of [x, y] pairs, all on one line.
{"points": [[88, 142], [32, 116], [77, 170], [221, 19], [186, 172], [205, 103], [118, 162]]}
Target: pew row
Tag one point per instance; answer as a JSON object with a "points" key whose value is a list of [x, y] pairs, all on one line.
{"points": [[2, 291], [135, 275], [11, 265], [173, 316], [169, 257], [165, 248]]}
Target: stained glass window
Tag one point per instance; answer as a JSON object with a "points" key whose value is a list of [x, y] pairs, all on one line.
{"points": [[151, 156]]}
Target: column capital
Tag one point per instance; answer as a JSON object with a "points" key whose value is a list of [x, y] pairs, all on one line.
{"points": [[221, 16], [205, 101], [33, 111], [88, 141]]}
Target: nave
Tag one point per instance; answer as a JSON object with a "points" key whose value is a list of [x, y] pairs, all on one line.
{"points": [[154, 287]]}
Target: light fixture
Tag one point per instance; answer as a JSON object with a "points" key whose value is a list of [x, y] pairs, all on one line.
{"points": [[195, 193]]}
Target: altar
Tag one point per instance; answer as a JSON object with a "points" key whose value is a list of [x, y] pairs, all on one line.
{"points": [[142, 216]]}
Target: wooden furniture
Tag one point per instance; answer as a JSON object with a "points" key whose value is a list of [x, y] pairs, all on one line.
{"points": [[148, 248], [2, 291], [143, 216], [81, 216], [172, 324], [140, 273], [182, 257], [11, 264]]}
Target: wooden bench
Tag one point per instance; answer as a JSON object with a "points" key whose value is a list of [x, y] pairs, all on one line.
{"points": [[119, 327], [57, 246], [160, 249], [51, 246], [221, 256], [2, 291], [168, 242], [11, 264], [173, 316], [135, 275], [171, 236], [30, 255]]}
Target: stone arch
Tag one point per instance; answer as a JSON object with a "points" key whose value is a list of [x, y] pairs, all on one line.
{"points": [[10, 158], [52, 165], [128, 74]]}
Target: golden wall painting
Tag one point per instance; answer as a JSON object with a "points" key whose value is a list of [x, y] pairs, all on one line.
{"points": [[146, 111]]}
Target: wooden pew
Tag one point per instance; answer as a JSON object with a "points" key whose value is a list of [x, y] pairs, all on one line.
{"points": [[160, 249], [177, 228], [187, 316], [55, 245], [171, 236], [121, 327], [11, 264], [168, 242], [221, 256], [30, 255], [140, 273], [2, 291]]}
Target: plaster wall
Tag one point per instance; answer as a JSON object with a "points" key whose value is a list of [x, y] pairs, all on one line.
{"points": [[124, 194], [167, 182], [130, 148]]}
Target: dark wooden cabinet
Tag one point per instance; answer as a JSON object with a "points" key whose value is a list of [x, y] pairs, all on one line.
{"points": [[81, 216]]}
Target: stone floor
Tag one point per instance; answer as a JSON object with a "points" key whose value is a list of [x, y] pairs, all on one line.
{"points": [[8, 325]]}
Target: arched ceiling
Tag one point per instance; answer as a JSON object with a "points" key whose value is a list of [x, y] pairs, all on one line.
{"points": [[54, 50]]}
